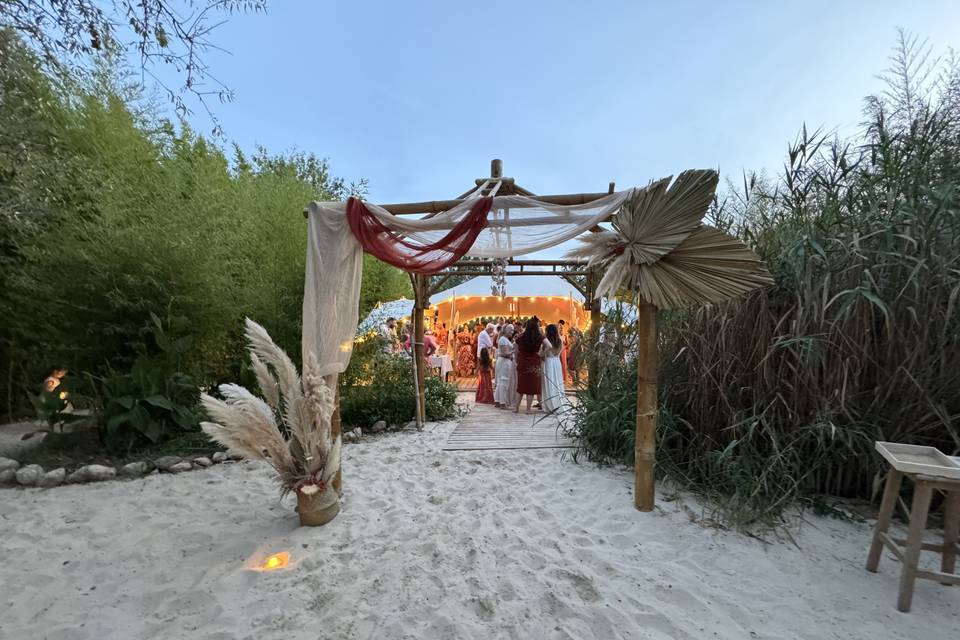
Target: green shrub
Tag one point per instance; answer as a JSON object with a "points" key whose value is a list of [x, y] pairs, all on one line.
{"points": [[441, 399], [385, 394], [154, 401], [378, 386]]}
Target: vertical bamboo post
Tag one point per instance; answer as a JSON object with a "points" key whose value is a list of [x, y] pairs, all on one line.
{"points": [[496, 168], [645, 446], [335, 430], [595, 321], [419, 302]]}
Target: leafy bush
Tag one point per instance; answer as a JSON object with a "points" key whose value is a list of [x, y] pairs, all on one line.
{"points": [[378, 386], [440, 402], [152, 402], [387, 394]]}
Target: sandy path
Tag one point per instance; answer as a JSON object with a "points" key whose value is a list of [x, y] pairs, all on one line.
{"points": [[430, 544]]}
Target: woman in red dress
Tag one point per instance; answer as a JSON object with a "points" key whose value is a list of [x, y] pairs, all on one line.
{"points": [[528, 363], [484, 379]]}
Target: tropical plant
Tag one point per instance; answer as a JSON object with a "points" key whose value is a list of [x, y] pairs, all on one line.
{"points": [[152, 401], [289, 427]]}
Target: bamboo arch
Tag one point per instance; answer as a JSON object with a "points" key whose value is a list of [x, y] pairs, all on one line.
{"points": [[658, 248]]}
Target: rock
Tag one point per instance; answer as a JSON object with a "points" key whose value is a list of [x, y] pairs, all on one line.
{"points": [[8, 464], [351, 436], [8, 476], [219, 456], [233, 455], [378, 426], [202, 461], [166, 462], [29, 475], [134, 469], [80, 475], [410, 425], [97, 473], [180, 466], [53, 478]]}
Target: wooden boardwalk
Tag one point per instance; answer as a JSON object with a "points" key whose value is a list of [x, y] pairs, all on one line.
{"points": [[486, 427]]}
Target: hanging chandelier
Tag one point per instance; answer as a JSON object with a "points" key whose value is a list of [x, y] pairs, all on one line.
{"points": [[498, 274]]}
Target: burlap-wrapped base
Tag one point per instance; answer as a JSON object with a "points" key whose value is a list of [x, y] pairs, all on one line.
{"points": [[317, 509]]}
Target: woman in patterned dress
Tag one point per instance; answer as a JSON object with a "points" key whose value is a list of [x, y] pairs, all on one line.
{"points": [[464, 353]]}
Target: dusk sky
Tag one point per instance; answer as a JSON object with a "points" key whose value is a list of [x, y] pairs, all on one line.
{"points": [[417, 97]]}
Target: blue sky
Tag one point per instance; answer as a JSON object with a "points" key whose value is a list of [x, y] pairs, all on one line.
{"points": [[417, 97]]}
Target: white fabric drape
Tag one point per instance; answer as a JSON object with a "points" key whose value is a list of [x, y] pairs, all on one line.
{"points": [[331, 295], [518, 225]]}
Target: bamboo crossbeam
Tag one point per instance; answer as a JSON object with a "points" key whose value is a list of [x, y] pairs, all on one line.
{"points": [[519, 273], [523, 263], [439, 206], [442, 225], [436, 206]]}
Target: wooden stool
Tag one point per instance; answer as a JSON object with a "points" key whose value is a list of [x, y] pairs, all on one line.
{"points": [[908, 551]]}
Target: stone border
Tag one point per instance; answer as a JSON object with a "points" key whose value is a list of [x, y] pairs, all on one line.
{"points": [[13, 474]]}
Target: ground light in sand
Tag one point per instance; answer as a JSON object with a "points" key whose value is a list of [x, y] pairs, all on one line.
{"points": [[274, 561]]}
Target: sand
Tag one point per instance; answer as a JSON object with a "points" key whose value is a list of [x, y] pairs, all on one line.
{"points": [[431, 544]]}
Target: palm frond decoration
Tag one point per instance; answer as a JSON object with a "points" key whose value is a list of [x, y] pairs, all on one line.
{"points": [[308, 458], [660, 248]]}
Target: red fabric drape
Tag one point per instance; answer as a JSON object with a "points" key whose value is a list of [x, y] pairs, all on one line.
{"points": [[393, 248]]}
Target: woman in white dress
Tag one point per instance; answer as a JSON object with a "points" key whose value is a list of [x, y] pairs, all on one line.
{"points": [[553, 392], [504, 394]]}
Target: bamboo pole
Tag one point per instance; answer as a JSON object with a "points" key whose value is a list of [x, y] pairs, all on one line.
{"points": [[335, 430], [645, 446], [419, 291], [593, 279]]}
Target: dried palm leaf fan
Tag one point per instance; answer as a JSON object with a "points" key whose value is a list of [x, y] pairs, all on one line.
{"points": [[660, 250], [307, 458]]}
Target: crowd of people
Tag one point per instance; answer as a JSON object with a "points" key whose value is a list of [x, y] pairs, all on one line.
{"points": [[518, 363]]}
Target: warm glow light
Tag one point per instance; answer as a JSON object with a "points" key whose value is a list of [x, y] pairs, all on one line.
{"points": [[516, 299], [63, 395], [276, 561], [549, 298], [483, 298]]}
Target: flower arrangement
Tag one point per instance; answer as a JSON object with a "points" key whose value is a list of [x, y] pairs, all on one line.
{"points": [[289, 427]]}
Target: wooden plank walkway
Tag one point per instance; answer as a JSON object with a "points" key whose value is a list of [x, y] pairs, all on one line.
{"points": [[486, 427]]}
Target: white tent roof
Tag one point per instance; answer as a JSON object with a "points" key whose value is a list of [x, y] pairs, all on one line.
{"points": [[521, 286]]}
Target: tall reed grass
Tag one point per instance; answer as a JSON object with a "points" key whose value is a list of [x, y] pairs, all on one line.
{"points": [[778, 397]]}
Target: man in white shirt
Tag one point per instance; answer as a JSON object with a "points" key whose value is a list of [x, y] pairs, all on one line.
{"points": [[485, 339]]}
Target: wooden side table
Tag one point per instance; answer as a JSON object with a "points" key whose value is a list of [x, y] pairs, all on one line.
{"points": [[908, 551]]}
